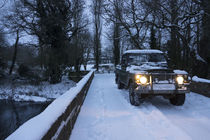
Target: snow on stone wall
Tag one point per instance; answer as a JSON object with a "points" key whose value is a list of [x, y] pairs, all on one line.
{"points": [[143, 51], [200, 85], [202, 80], [37, 127]]}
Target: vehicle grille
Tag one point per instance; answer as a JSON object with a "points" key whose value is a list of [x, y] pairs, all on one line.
{"points": [[163, 77]]}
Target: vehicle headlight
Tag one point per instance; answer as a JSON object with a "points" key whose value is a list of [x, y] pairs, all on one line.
{"points": [[180, 80], [141, 79]]}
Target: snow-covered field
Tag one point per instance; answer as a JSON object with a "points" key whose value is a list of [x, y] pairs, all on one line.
{"points": [[40, 93], [107, 115]]}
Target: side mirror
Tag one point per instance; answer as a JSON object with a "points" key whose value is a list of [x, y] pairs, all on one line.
{"points": [[123, 65]]}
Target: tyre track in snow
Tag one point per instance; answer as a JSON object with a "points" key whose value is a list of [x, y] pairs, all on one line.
{"points": [[98, 133], [193, 117], [155, 121], [107, 115]]}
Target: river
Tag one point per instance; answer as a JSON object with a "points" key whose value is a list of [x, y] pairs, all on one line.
{"points": [[13, 114]]}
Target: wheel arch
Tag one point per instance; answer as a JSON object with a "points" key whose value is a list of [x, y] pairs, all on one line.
{"points": [[130, 81]]}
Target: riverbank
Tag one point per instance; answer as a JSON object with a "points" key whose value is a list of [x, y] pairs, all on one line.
{"points": [[21, 101], [43, 92]]}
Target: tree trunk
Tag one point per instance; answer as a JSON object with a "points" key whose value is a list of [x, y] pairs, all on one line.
{"points": [[97, 5], [15, 53], [116, 43], [175, 51]]}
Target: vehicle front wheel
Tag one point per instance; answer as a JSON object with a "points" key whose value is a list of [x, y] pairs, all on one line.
{"points": [[134, 98], [178, 100]]}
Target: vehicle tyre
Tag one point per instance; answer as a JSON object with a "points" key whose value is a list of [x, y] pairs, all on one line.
{"points": [[116, 79], [119, 84], [133, 97], [178, 100]]}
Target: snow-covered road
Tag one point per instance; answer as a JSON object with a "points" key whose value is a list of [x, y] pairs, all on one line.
{"points": [[107, 115]]}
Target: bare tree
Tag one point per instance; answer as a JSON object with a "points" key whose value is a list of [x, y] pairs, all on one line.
{"points": [[2, 4], [86, 47], [117, 34], [131, 20], [173, 21], [107, 54], [115, 27], [80, 22], [202, 51], [178, 18], [3, 43], [97, 11], [11, 23], [2, 38], [15, 52]]}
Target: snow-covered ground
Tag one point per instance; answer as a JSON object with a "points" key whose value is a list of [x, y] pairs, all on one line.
{"points": [[107, 115], [88, 67], [40, 93]]}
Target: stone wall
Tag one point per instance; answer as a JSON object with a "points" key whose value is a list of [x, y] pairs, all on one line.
{"points": [[61, 129], [201, 88]]}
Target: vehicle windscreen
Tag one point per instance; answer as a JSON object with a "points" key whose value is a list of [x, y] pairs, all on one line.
{"points": [[135, 59]]}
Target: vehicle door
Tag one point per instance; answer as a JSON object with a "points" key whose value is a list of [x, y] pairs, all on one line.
{"points": [[123, 69]]}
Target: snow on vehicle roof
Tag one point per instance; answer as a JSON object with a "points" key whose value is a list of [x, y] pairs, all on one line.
{"points": [[143, 51]]}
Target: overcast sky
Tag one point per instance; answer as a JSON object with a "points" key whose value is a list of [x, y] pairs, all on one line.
{"points": [[104, 41], [27, 38]]}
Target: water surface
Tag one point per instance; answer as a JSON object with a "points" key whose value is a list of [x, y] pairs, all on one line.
{"points": [[13, 114]]}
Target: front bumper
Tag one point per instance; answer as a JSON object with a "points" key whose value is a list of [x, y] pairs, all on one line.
{"points": [[163, 83], [162, 89]]}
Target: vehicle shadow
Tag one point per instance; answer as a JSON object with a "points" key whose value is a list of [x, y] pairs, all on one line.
{"points": [[159, 102]]}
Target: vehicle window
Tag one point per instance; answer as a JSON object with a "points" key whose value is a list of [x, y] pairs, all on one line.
{"points": [[156, 58], [135, 59], [123, 61]]}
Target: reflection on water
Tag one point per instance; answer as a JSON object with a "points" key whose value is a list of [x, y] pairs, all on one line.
{"points": [[13, 114]]}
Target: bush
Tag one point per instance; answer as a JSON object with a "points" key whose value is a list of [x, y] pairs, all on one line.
{"points": [[31, 74], [23, 70]]}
